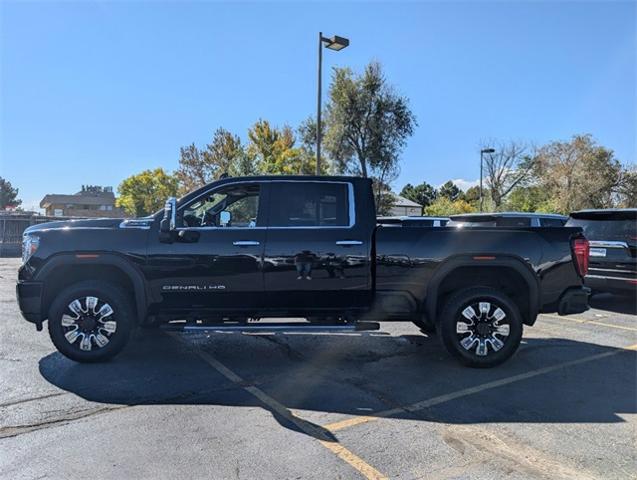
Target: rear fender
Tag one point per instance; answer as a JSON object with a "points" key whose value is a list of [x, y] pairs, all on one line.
{"points": [[485, 261]]}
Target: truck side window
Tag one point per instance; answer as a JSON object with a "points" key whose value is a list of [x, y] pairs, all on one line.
{"points": [[552, 222], [295, 204], [513, 222], [242, 201]]}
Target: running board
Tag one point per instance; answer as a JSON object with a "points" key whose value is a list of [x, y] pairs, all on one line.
{"points": [[274, 327]]}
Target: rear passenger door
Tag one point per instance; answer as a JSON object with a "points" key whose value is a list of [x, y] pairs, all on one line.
{"points": [[316, 255]]}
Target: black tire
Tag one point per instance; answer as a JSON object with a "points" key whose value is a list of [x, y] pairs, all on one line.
{"points": [[150, 326], [115, 327], [489, 335], [424, 325]]}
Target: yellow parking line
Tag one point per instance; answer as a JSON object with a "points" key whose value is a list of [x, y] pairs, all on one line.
{"points": [[350, 422], [308, 428], [336, 426], [593, 322], [343, 453]]}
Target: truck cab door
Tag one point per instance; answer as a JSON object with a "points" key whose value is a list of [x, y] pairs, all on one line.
{"points": [[215, 259], [317, 257]]}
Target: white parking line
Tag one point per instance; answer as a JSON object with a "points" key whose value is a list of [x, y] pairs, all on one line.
{"points": [[308, 428], [592, 322], [350, 422]]}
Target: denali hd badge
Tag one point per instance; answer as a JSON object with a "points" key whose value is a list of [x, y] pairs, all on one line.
{"points": [[192, 288]]}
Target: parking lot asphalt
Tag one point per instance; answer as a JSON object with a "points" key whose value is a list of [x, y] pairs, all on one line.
{"points": [[388, 404]]}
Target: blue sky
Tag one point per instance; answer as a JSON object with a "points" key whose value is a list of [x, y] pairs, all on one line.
{"points": [[94, 92]]}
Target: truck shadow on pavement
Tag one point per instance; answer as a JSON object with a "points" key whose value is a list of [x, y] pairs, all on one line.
{"points": [[360, 375], [626, 304]]}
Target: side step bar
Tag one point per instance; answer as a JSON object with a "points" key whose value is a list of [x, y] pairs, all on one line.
{"points": [[273, 327]]}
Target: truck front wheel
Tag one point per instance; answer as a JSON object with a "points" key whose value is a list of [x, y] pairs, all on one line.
{"points": [[90, 321], [481, 327]]}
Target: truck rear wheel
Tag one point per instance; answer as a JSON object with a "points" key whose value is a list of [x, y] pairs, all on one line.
{"points": [[481, 327], [90, 321]]}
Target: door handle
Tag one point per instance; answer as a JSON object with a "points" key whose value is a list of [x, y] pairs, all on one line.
{"points": [[349, 242], [245, 243]]}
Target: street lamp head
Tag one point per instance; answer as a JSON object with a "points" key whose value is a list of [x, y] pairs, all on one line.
{"points": [[336, 43], [487, 150]]}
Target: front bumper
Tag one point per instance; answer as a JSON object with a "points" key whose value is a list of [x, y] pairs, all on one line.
{"points": [[29, 295], [574, 300]]}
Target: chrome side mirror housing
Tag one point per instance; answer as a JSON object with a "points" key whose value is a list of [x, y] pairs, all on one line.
{"points": [[224, 218], [169, 223]]}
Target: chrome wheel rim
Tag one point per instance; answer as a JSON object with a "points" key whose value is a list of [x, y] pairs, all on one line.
{"points": [[483, 328], [89, 323]]}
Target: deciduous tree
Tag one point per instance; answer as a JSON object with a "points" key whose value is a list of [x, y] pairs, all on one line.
{"points": [[224, 154], [146, 192], [367, 123], [507, 168], [443, 207], [307, 137], [275, 152], [579, 174], [628, 188]]}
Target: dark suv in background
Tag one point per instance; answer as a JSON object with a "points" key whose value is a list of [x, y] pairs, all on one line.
{"points": [[613, 248]]}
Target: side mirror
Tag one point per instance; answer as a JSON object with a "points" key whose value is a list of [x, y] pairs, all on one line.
{"points": [[168, 223], [224, 218], [170, 215]]}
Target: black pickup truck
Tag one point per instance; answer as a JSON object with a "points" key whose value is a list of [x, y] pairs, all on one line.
{"points": [[241, 250]]}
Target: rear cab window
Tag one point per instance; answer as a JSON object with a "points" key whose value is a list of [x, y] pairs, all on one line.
{"points": [[310, 204]]}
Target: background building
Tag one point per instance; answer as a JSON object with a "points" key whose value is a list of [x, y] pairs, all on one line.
{"points": [[92, 201], [404, 206]]}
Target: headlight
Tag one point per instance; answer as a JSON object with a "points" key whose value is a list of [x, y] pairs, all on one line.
{"points": [[30, 244]]}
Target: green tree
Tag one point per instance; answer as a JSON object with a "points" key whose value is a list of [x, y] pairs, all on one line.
{"points": [[579, 174], [224, 154], [450, 191], [528, 199], [367, 124], [472, 195], [307, 137], [146, 192], [193, 172], [424, 194], [384, 199], [628, 188], [444, 206], [8, 195], [274, 150]]}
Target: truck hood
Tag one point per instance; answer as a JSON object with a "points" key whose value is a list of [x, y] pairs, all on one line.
{"points": [[73, 224]]}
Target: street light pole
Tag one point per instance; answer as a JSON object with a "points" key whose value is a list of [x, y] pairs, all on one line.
{"points": [[335, 43], [318, 105], [482, 152]]}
